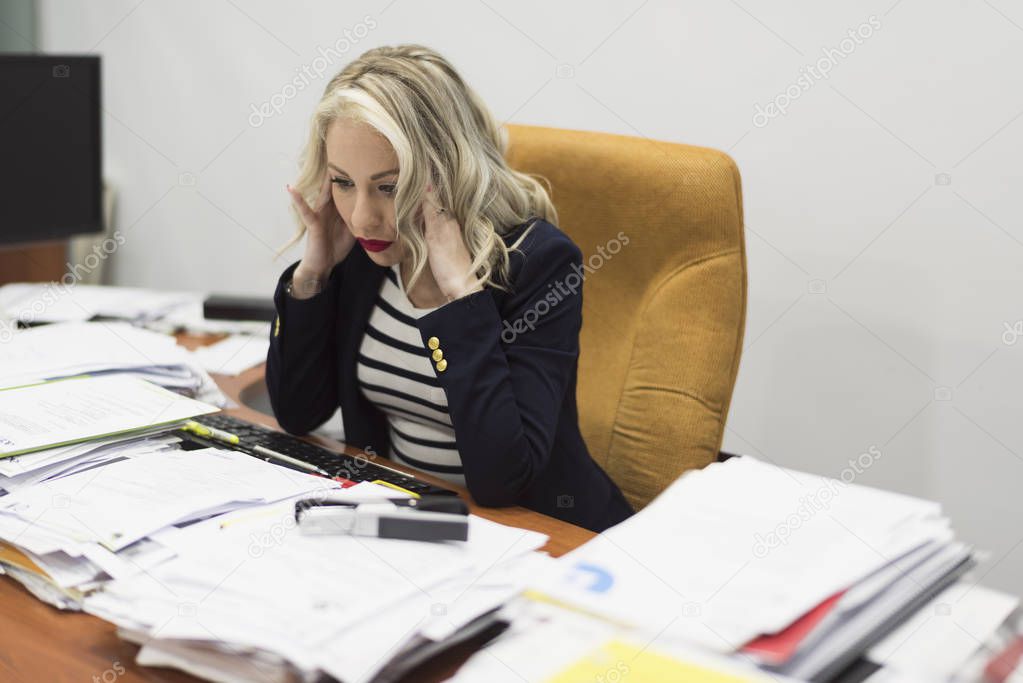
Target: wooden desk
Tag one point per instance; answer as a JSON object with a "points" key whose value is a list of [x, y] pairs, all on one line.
{"points": [[40, 643]]}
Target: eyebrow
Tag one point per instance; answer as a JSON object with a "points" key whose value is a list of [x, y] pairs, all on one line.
{"points": [[372, 177]]}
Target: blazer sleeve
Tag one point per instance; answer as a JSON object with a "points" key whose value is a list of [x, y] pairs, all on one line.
{"points": [[301, 376], [506, 380]]}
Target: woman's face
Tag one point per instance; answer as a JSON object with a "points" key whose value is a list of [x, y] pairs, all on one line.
{"points": [[363, 170]]}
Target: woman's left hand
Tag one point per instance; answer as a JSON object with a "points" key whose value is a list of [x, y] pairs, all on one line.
{"points": [[447, 254]]}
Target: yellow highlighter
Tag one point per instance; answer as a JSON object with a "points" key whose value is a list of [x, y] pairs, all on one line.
{"points": [[211, 432], [395, 487]]}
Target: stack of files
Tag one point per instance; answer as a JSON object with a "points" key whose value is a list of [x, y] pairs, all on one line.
{"points": [[60, 444], [746, 549], [78, 532], [158, 310], [843, 627], [592, 650], [43, 418], [196, 555], [30, 469], [76, 348], [51, 302], [249, 597], [385, 647]]}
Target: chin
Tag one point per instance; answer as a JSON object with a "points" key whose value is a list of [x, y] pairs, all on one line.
{"points": [[387, 258]]}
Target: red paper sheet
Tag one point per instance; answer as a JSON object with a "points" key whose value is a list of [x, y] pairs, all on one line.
{"points": [[776, 648]]}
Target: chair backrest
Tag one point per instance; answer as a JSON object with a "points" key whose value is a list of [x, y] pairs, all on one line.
{"points": [[660, 226]]}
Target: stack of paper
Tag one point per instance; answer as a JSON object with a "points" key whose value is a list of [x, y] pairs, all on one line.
{"points": [[591, 650], [744, 549], [53, 414], [159, 310], [194, 552], [76, 348], [47, 302], [23, 471], [55, 565], [78, 531], [60, 442], [251, 582]]}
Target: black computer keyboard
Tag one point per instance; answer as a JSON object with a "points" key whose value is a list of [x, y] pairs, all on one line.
{"points": [[335, 464]]}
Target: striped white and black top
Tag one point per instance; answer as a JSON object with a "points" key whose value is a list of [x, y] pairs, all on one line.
{"points": [[396, 374]]}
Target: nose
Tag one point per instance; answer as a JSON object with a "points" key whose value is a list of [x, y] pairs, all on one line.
{"points": [[367, 219]]}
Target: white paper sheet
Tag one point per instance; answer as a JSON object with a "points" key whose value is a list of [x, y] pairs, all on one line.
{"points": [[234, 354], [66, 411], [122, 502]]}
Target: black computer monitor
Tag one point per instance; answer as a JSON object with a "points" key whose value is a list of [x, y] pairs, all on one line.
{"points": [[51, 186]]}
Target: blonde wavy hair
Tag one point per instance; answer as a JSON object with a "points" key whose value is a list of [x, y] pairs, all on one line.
{"points": [[440, 131]]}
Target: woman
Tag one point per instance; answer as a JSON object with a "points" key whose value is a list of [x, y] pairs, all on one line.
{"points": [[416, 306]]}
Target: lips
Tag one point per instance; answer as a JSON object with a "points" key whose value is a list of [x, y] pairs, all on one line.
{"points": [[374, 245]]}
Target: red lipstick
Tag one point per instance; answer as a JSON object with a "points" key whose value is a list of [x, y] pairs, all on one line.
{"points": [[374, 245]]}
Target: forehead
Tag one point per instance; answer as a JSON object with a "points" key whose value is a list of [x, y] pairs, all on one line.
{"points": [[358, 148]]}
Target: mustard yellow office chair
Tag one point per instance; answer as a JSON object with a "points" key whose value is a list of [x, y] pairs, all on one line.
{"points": [[663, 317]]}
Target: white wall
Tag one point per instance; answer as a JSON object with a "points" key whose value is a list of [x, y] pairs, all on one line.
{"points": [[876, 292]]}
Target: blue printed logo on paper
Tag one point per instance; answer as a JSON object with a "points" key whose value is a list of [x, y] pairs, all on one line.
{"points": [[594, 578]]}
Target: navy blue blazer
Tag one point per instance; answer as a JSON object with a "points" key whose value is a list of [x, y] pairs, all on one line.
{"points": [[510, 378]]}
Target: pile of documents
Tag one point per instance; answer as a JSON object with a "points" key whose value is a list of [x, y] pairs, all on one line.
{"points": [[83, 529], [57, 567], [250, 583], [742, 571], [195, 552], [102, 348], [590, 649], [51, 302], [158, 310], [66, 446], [796, 573]]}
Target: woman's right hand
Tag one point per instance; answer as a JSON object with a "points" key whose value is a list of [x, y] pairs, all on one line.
{"points": [[328, 239]]}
